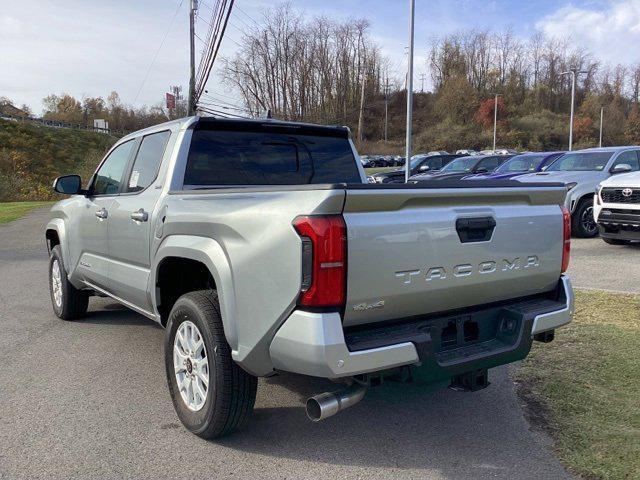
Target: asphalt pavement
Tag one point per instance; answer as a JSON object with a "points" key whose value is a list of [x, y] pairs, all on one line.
{"points": [[88, 399]]}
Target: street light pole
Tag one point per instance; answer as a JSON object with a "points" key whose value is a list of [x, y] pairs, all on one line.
{"points": [[495, 120], [407, 170], [386, 109], [601, 115], [574, 77]]}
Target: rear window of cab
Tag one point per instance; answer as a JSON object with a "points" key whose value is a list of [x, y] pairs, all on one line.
{"points": [[223, 157]]}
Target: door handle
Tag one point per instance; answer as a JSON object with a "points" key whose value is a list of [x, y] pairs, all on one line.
{"points": [[102, 213], [140, 215]]}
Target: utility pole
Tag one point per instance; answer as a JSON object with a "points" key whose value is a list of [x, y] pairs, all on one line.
{"points": [[495, 121], [361, 116], [601, 115], [422, 77], [407, 169], [191, 107], [386, 109], [574, 76]]}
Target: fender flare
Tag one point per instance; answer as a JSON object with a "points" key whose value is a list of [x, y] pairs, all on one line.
{"points": [[210, 253], [58, 226], [579, 198]]}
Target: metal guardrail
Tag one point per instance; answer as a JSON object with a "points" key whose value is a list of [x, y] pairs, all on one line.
{"points": [[58, 124]]}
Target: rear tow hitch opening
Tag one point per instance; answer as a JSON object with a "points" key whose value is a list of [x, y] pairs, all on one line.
{"points": [[470, 381]]}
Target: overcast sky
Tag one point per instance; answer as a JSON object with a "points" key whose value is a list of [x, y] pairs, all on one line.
{"points": [[89, 48]]}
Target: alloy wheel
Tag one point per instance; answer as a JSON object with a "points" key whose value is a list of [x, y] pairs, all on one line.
{"points": [[191, 365]]}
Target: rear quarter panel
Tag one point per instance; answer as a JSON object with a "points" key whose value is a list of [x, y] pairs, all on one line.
{"points": [[253, 228]]}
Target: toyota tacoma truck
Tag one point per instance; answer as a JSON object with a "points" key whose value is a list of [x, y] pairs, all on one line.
{"points": [[262, 250], [616, 209]]}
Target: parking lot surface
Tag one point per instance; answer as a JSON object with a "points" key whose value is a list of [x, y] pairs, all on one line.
{"points": [[89, 399], [597, 265]]}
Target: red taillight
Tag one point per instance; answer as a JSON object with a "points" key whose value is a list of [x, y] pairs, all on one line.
{"points": [[566, 248], [324, 256]]}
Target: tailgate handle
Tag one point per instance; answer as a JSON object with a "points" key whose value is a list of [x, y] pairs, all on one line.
{"points": [[475, 229]]}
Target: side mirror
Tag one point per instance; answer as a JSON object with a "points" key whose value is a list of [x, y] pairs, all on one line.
{"points": [[621, 168], [424, 168], [68, 185], [482, 170]]}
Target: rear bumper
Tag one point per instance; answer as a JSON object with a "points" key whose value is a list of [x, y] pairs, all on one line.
{"points": [[315, 344]]}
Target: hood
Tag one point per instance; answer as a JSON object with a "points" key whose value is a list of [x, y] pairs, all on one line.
{"points": [[391, 173], [492, 176], [445, 176], [623, 180], [563, 177]]}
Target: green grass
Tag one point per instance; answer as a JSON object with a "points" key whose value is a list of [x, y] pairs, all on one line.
{"points": [[371, 171], [584, 388], [10, 211]]}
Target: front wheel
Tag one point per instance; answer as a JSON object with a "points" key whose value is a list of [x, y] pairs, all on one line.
{"points": [[68, 302], [211, 394], [583, 224]]}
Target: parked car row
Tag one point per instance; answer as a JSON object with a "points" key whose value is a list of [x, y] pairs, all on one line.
{"points": [[614, 210], [372, 161]]}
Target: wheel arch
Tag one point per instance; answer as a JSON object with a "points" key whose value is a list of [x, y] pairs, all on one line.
{"points": [[195, 253], [580, 197], [55, 234]]}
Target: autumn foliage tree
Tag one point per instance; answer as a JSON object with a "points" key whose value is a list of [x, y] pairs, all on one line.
{"points": [[485, 113]]}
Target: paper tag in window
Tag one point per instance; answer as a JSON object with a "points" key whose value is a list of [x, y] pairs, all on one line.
{"points": [[133, 181]]}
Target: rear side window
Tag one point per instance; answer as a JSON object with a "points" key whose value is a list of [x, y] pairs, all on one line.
{"points": [[434, 163], [147, 162], [268, 158]]}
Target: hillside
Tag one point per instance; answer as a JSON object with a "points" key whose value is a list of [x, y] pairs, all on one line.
{"points": [[31, 156]]}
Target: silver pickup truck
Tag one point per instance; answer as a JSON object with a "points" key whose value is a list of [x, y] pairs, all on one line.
{"points": [[260, 247]]}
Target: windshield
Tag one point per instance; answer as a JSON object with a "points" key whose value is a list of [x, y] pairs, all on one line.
{"points": [[581, 162], [460, 165], [522, 163]]}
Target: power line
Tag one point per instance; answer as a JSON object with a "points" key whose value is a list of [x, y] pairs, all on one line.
{"points": [[155, 56], [220, 22], [247, 15], [225, 102]]}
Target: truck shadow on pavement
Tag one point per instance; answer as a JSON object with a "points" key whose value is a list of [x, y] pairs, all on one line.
{"points": [[397, 425]]}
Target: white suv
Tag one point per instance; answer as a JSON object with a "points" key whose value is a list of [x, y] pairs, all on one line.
{"points": [[616, 208]]}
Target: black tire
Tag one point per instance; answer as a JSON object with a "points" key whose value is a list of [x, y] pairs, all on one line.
{"points": [[231, 391], [74, 302], [615, 241], [583, 225]]}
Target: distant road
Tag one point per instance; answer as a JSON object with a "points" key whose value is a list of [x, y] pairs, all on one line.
{"points": [[88, 399]]}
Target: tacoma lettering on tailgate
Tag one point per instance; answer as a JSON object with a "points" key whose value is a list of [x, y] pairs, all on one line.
{"points": [[467, 269]]}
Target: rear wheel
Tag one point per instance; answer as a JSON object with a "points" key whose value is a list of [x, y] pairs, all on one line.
{"points": [[68, 302], [211, 394], [583, 224]]}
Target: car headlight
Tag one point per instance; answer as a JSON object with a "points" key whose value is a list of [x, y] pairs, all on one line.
{"points": [[570, 186]]}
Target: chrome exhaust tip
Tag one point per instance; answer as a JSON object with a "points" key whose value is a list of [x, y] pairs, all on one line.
{"points": [[328, 404]]}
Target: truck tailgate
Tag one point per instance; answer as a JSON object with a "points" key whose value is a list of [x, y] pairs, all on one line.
{"points": [[415, 251]]}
